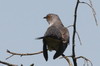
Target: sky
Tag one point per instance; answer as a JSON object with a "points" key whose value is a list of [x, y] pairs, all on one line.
{"points": [[21, 21]]}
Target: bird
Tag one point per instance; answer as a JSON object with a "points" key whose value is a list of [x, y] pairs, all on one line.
{"points": [[56, 37]]}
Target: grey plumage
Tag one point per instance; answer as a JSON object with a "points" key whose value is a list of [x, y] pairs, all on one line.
{"points": [[56, 37]]}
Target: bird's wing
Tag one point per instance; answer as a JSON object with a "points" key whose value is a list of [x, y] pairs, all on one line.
{"points": [[53, 32], [60, 34], [65, 35], [64, 44]]}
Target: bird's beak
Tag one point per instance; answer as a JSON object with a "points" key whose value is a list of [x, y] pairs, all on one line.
{"points": [[44, 17]]}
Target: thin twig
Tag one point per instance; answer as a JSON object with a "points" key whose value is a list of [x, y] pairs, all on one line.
{"points": [[85, 60], [77, 34], [69, 26], [22, 54], [9, 57], [93, 10], [79, 38], [67, 59], [94, 13], [70, 64], [8, 64]]}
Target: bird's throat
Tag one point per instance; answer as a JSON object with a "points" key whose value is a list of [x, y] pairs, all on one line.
{"points": [[51, 24]]}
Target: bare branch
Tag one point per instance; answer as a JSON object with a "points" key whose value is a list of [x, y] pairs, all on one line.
{"points": [[94, 13], [87, 60], [93, 10], [9, 57], [67, 59], [22, 54], [79, 38], [74, 31], [69, 26], [27, 54], [6, 63]]}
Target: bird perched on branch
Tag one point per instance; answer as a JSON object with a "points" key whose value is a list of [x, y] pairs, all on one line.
{"points": [[56, 37]]}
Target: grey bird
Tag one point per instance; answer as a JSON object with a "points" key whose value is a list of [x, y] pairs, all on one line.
{"points": [[56, 37]]}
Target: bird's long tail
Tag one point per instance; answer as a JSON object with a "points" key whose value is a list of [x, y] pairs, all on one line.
{"points": [[40, 38]]}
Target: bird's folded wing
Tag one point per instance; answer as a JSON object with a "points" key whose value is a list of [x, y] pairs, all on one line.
{"points": [[53, 32], [64, 44], [65, 35]]}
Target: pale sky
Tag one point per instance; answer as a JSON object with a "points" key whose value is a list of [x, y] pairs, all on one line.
{"points": [[21, 21]]}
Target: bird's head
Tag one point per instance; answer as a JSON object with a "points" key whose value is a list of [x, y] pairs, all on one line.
{"points": [[52, 18]]}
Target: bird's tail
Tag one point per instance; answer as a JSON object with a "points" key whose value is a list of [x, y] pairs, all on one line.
{"points": [[40, 38], [60, 51]]}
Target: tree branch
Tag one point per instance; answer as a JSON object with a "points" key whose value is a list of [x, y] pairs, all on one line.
{"points": [[67, 59], [28, 54], [74, 32], [93, 10], [22, 54], [87, 60], [79, 38], [6, 63]]}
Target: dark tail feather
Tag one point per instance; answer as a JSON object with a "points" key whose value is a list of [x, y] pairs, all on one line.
{"points": [[45, 52], [57, 54], [40, 38], [60, 51]]}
